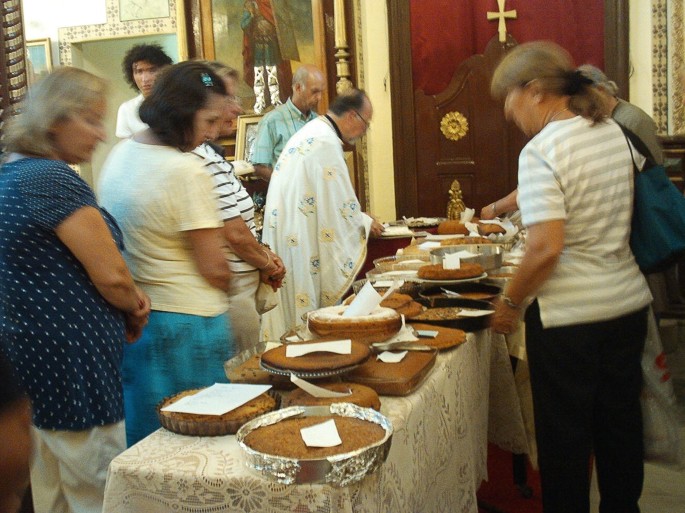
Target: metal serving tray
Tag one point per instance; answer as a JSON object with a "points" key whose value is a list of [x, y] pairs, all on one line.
{"points": [[488, 255]]}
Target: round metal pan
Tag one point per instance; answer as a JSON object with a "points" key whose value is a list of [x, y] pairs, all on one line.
{"points": [[488, 255], [475, 291], [462, 323]]}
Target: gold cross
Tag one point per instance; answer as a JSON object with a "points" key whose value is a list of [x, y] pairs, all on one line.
{"points": [[502, 15]]}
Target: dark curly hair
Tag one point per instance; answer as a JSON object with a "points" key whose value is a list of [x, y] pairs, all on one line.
{"points": [[179, 92], [151, 53]]}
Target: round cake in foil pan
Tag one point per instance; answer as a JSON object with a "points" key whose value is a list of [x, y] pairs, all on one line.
{"points": [[274, 449]]}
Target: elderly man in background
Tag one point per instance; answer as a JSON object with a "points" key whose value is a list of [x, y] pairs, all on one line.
{"points": [[312, 218], [141, 65], [624, 113], [279, 125]]}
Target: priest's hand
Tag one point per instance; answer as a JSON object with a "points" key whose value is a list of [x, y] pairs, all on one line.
{"points": [[376, 228]]}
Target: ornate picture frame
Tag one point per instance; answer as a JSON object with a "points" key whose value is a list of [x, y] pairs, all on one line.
{"points": [[245, 135], [299, 26], [38, 59]]}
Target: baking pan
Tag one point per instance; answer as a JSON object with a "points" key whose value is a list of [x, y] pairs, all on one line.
{"points": [[488, 255], [453, 306], [472, 290]]}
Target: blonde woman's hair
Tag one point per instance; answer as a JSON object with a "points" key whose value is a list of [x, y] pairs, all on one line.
{"points": [[63, 93], [552, 68]]}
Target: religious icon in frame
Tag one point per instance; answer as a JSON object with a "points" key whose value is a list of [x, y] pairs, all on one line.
{"points": [[266, 41], [245, 136]]}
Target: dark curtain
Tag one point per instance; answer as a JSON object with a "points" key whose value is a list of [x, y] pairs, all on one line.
{"points": [[444, 33]]}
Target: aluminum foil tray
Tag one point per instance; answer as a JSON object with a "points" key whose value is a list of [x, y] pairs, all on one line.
{"points": [[487, 255], [339, 470]]}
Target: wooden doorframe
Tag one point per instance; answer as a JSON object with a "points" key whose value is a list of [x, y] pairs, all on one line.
{"points": [[616, 63]]}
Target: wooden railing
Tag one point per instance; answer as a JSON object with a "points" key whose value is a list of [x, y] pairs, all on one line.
{"points": [[674, 158]]}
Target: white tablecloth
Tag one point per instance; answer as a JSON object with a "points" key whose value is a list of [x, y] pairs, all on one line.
{"points": [[436, 462]]}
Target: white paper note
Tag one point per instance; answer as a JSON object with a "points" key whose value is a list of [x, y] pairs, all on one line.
{"points": [[334, 346], [315, 391], [364, 302], [396, 231], [427, 333], [451, 261], [390, 357], [384, 284], [444, 236], [321, 435], [474, 313], [217, 399], [473, 229], [467, 215], [429, 244]]}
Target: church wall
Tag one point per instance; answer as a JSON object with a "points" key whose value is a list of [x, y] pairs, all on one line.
{"points": [[374, 18], [41, 21], [641, 55]]}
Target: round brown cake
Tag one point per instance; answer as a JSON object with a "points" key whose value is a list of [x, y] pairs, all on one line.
{"points": [[396, 300], [212, 425], [452, 227], [486, 229], [465, 240], [410, 310], [284, 438], [381, 324], [319, 361], [361, 396], [438, 272]]}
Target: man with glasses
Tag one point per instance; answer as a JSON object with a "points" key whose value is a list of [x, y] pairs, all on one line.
{"points": [[279, 125], [312, 218]]}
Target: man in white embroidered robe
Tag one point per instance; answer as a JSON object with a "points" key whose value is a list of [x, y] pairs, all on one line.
{"points": [[312, 218]]}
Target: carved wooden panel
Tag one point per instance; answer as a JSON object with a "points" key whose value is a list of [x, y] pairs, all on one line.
{"points": [[461, 134], [407, 124], [13, 62]]}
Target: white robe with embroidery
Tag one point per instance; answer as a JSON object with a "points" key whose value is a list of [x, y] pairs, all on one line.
{"points": [[313, 221]]}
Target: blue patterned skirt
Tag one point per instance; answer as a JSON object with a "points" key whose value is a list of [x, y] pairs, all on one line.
{"points": [[176, 352]]}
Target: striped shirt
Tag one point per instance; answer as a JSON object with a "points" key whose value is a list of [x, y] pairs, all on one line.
{"points": [[583, 174], [233, 200]]}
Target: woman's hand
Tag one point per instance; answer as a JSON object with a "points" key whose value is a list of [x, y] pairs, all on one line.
{"points": [[505, 320], [137, 319], [488, 211], [274, 273]]}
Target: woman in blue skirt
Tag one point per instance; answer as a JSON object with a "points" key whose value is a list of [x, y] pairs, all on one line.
{"points": [[163, 200]]}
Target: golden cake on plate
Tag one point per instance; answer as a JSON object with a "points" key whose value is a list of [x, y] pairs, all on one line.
{"points": [[438, 272], [361, 396], [445, 339], [465, 241], [381, 324], [212, 425], [452, 227], [249, 371], [318, 361]]}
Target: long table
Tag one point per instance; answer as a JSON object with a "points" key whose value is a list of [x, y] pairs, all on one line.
{"points": [[436, 462]]}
